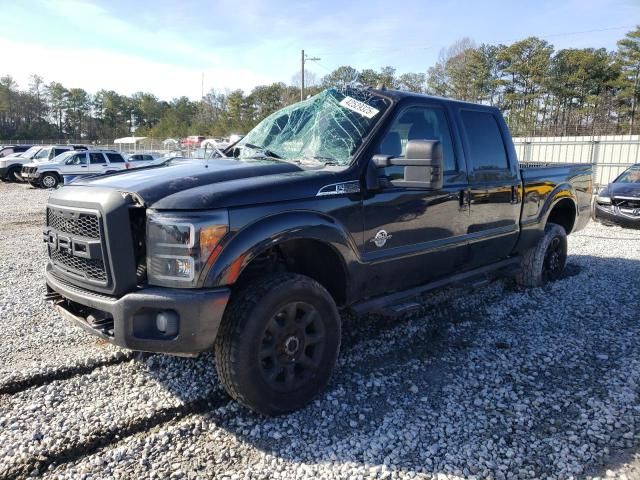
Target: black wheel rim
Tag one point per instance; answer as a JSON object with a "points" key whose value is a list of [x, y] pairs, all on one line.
{"points": [[554, 259], [292, 345]]}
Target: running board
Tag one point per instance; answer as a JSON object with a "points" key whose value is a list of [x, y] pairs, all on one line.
{"points": [[400, 302]]}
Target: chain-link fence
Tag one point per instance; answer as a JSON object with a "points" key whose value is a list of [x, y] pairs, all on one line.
{"points": [[609, 154], [146, 145]]}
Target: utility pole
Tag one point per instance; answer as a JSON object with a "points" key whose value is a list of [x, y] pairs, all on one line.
{"points": [[303, 59]]}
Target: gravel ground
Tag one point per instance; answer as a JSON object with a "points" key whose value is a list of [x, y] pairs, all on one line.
{"points": [[496, 383]]}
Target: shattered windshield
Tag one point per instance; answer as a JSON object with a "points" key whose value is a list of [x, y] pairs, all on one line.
{"points": [[326, 128]]}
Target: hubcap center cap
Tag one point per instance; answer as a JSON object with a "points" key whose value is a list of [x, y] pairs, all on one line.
{"points": [[291, 345]]}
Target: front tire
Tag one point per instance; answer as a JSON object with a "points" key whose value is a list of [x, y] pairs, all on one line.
{"points": [[49, 180], [545, 261], [278, 343]]}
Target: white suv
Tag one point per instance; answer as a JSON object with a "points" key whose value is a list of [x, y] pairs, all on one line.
{"points": [[91, 162], [11, 165]]}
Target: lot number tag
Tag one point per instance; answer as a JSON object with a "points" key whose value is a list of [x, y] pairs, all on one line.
{"points": [[359, 107]]}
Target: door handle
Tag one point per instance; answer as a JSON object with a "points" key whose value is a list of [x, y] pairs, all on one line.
{"points": [[83, 166], [463, 198], [514, 194]]}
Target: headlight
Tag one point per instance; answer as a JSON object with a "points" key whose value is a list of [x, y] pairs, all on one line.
{"points": [[179, 245], [603, 199]]}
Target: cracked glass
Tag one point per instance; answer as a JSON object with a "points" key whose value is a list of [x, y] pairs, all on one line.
{"points": [[326, 128]]}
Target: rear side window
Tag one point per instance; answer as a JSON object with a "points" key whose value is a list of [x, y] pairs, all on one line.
{"points": [[115, 158], [486, 148], [5, 152], [96, 158], [58, 151]]}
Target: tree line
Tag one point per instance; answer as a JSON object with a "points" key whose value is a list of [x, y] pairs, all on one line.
{"points": [[540, 91]]}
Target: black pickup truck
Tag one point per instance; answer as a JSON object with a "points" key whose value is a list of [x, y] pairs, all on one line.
{"points": [[353, 198]]}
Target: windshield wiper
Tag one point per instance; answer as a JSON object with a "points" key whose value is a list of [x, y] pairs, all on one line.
{"points": [[264, 150]]}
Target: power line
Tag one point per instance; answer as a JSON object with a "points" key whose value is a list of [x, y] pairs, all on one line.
{"points": [[428, 47]]}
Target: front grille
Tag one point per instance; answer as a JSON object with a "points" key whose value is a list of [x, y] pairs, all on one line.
{"points": [[91, 268], [67, 225], [84, 224], [627, 202]]}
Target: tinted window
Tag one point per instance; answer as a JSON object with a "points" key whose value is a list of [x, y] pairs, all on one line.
{"points": [[486, 148], [58, 151], [419, 123], [115, 158], [96, 157]]}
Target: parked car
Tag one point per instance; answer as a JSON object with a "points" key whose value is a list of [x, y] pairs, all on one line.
{"points": [[91, 162], [11, 166], [619, 202], [369, 199], [192, 141], [136, 160], [6, 150]]}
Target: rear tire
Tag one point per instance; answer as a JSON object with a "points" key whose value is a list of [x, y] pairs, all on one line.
{"points": [[49, 180], [545, 261], [278, 343]]}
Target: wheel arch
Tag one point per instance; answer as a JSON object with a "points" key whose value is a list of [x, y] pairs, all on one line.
{"points": [[561, 208], [306, 240]]}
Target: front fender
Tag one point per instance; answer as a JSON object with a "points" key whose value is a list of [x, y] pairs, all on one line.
{"points": [[255, 238]]}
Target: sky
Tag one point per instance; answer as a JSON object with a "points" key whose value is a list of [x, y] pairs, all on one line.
{"points": [[165, 47]]}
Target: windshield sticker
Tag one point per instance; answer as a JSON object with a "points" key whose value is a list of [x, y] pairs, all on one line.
{"points": [[359, 107]]}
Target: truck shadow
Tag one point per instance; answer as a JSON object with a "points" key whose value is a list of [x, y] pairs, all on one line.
{"points": [[536, 382]]}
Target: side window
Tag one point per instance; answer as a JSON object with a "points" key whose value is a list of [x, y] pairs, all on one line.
{"points": [[58, 151], [486, 147], [115, 158], [6, 152], [96, 158], [420, 123], [44, 153], [147, 157], [78, 159]]}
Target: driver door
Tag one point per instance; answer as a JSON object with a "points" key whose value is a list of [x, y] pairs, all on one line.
{"points": [[77, 164], [415, 235]]}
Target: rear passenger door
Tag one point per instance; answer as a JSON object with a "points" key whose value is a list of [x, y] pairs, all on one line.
{"points": [[494, 186], [97, 162]]}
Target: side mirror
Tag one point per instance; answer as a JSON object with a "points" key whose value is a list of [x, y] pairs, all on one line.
{"points": [[423, 164]]}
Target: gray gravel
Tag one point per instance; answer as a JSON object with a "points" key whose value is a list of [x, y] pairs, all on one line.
{"points": [[496, 383]]}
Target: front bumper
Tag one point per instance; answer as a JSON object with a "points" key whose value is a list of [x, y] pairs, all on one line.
{"points": [[30, 176], [130, 321], [610, 214]]}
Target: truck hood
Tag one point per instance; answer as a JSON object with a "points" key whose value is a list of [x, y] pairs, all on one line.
{"points": [[208, 184]]}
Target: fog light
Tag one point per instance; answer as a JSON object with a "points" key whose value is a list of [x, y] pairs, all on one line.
{"points": [[167, 322]]}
